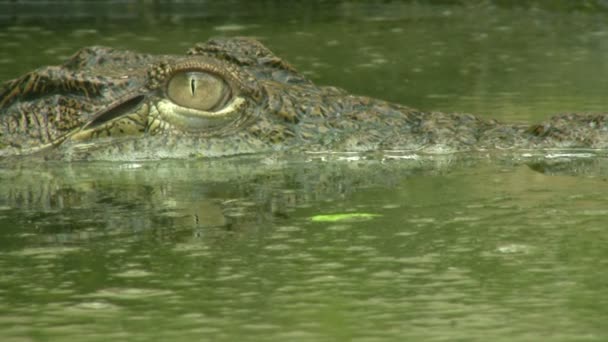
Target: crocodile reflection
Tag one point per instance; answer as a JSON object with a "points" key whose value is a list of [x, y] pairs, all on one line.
{"points": [[82, 201], [69, 202]]}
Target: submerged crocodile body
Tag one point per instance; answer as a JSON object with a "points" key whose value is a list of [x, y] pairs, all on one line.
{"points": [[233, 96]]}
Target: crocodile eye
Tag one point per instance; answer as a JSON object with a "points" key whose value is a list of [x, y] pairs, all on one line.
{"points": [[198, 90]]}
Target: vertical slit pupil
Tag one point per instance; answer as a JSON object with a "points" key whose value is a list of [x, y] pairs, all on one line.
{"points": [[192, 86]]}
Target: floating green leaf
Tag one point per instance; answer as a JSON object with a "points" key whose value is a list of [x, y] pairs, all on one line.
{"points": [[343, 217]]}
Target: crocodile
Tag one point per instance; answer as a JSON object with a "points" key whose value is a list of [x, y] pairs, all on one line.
{"points": [[233, 96]]}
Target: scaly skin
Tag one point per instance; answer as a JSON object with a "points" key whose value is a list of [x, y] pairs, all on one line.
{"points": [[109, 104]]}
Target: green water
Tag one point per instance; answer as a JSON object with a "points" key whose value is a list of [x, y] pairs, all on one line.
{"points": [[505, 247]]}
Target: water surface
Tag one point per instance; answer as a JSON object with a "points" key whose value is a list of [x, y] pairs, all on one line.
{"points": [[483, 246]]}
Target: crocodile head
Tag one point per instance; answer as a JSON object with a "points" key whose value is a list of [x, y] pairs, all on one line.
{"points": [[224, 97], [228, 97]]}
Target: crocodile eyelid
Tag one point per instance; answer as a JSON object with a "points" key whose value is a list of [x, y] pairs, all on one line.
{"points": [[223, 72]]}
